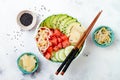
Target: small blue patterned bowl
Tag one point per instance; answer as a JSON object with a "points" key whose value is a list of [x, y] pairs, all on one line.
{"points": [[104, 44], [23, 70]]}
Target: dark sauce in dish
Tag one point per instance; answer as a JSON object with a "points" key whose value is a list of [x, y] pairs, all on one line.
{"points": [[26, 19]]}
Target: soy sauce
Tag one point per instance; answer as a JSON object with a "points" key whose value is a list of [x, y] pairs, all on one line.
{"points": [[26, 19]]}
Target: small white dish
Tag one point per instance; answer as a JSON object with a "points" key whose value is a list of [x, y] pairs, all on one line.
{"points": [[33, 23]]}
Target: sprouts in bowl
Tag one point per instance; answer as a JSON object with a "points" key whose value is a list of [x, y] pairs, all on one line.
{"points": [[103, 36]]}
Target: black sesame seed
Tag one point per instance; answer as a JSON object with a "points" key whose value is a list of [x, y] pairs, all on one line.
{"points": [[26, 19]]}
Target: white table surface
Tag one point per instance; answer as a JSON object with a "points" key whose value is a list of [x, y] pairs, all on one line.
{"points": [[95, 63]]}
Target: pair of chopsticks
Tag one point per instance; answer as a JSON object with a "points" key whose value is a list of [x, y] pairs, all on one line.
{"points": [[74, 51]]}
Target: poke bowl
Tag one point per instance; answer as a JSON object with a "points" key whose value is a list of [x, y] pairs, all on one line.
{"points": [[57, 35]]}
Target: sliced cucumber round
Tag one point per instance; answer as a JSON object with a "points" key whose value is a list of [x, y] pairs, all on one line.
{"points": [[62, 54], [57, 56], [68, 50], [54, 59]]}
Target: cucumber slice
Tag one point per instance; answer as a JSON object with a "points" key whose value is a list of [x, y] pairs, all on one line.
{"points": [[54, 59], [68, 50], [62, 54], [57, 56]]}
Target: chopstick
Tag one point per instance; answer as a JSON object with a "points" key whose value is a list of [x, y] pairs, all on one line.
{"points": [[84, 36], [72, 54]]}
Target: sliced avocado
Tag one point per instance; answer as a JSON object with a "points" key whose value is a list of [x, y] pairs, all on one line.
{"points": [[64, 21], [46, 22], [42, 24], [67, 24], [69, 27], [54, 21], [70, 21], [51, 20], [61, 17]]}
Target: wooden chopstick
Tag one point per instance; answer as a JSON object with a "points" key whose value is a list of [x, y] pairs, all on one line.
{"points": [[64, 62], [72, 54], [80, 42], [84, 36], [69, 61]]}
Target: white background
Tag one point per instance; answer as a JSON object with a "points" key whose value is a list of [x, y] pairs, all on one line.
{"points": [[100, 64]]}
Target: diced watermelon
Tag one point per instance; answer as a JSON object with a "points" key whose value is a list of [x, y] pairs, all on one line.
{"points": [[47, 55], [50, 49], [53, 40], [65, 43], [59, 45], [55, 48], [59, 39], [57, 33], [64, 37]]}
